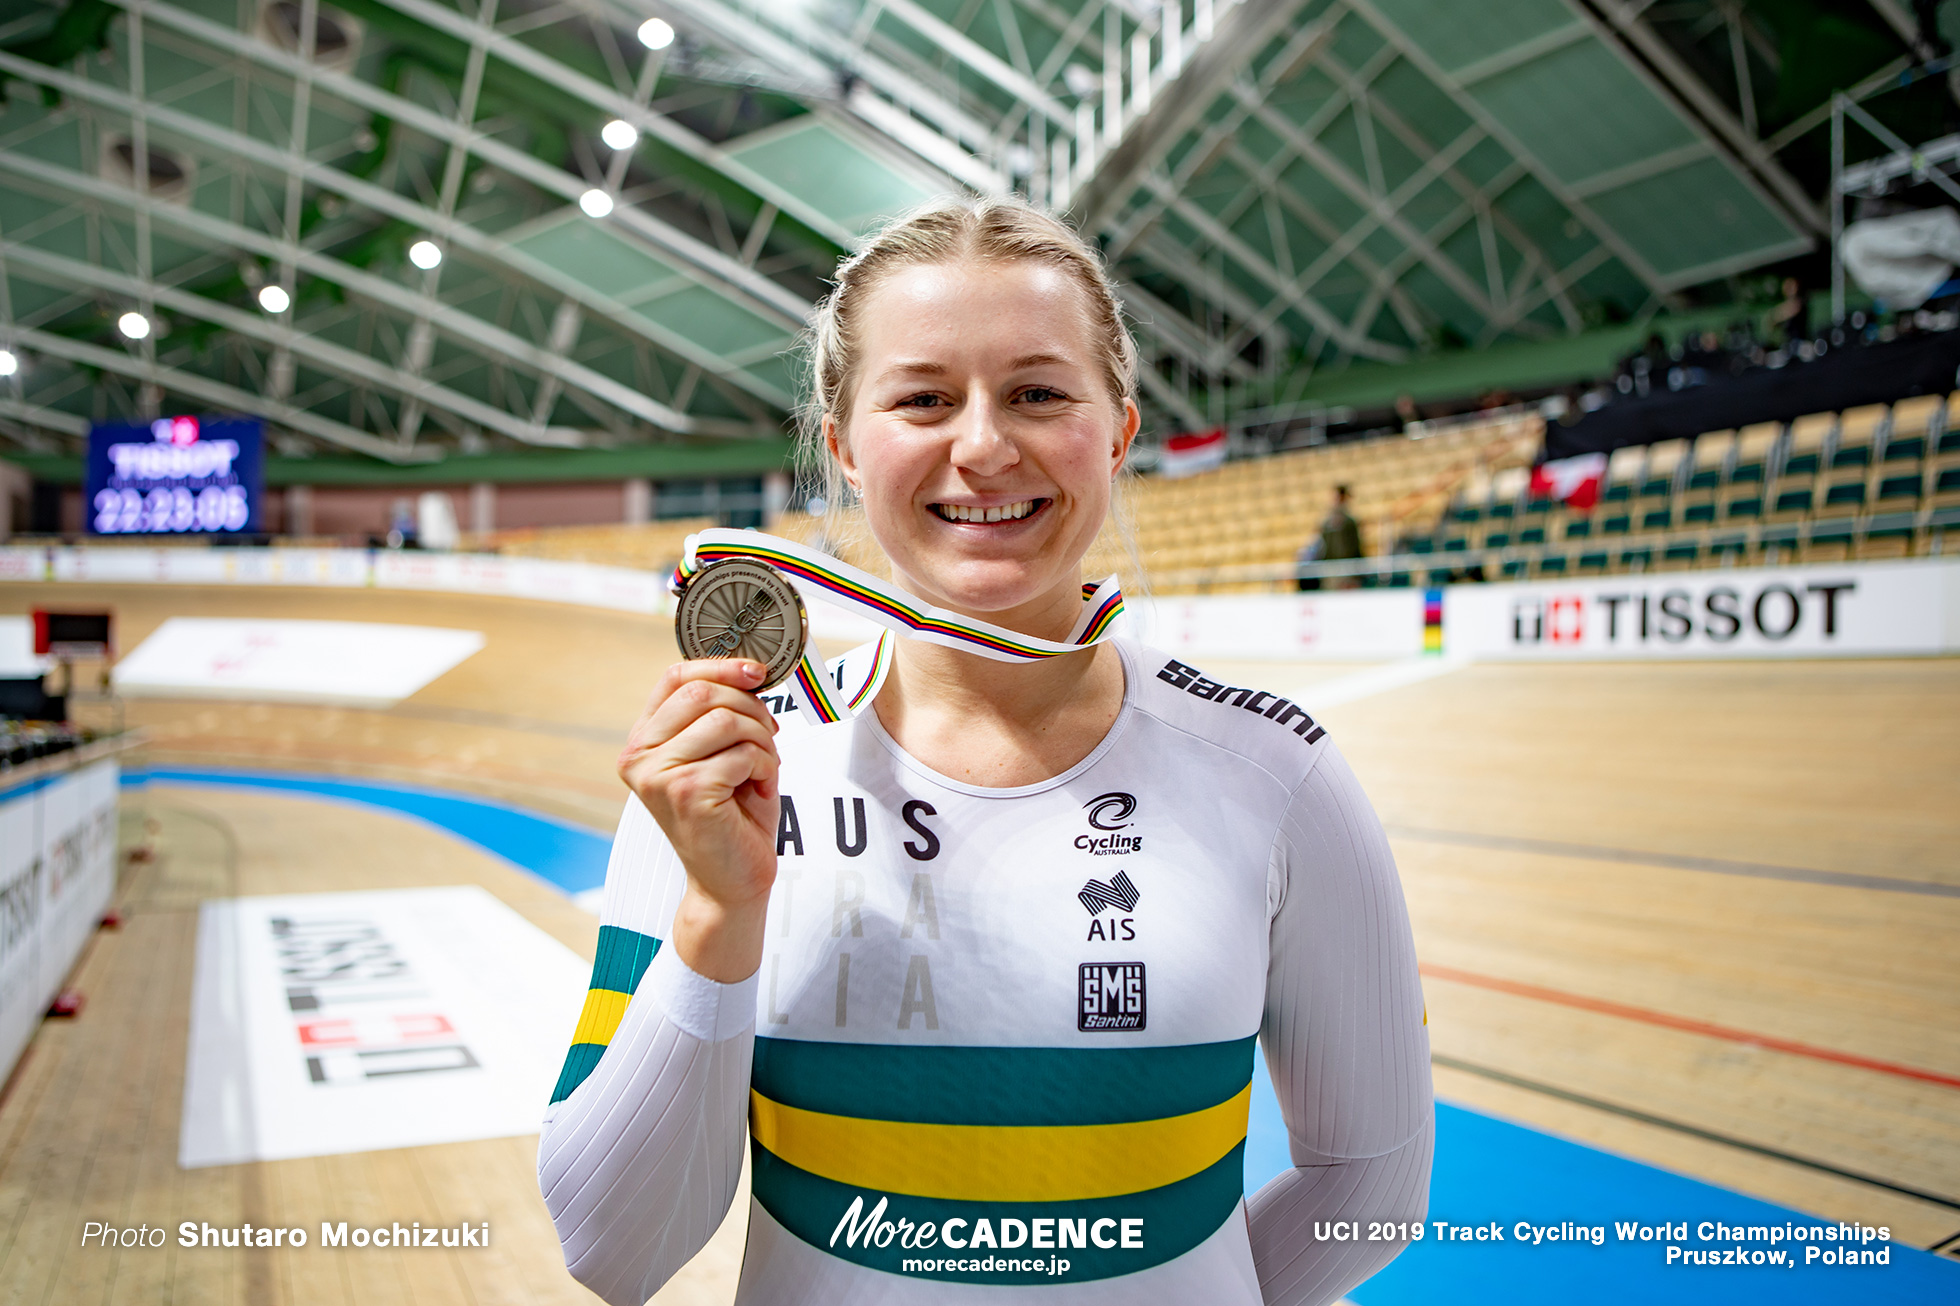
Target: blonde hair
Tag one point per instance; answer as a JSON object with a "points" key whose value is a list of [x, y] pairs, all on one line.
{"points": [[998, 230]]}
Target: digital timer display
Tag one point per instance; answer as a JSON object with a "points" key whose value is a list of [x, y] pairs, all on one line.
{"points": [[175, 476]]}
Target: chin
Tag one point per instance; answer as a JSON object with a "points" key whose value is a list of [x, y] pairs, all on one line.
{"points": [[975, 586]]}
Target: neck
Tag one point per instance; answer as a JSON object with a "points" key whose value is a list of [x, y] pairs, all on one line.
{"points": [[1002, 724]]}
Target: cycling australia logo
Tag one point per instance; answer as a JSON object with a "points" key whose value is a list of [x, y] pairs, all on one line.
{"points": [[1110, 813]]}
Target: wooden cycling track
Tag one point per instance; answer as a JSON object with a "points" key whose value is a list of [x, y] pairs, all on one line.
{"points": [[1699, 914]]}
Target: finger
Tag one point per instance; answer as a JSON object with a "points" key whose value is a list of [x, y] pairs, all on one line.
{"points": [[739, 673], [697, 787], [691, 701], [712, 732]]}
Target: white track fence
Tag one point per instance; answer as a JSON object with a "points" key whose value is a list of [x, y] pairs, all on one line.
{"points": [[1863, 609]]}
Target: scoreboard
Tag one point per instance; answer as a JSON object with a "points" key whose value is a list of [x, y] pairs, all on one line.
{"points": [[176, 476]]}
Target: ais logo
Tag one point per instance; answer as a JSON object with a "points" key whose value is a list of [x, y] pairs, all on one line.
{"points": [[1098, 897]]}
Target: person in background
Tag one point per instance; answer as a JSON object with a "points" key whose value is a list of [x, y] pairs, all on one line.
{"points": [[1340, 538], [1792, 314]]}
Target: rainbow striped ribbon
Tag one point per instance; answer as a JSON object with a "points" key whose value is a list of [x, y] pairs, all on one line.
{"points": [[825, 698]]}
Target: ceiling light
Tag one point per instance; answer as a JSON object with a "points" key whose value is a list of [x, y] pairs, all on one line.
{"points": [[274, 299], [619, 134], [596, 203], [425, 254], [133, 325], [656, 34], [9, 364]]}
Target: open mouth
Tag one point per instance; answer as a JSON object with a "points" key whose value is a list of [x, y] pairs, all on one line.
{"points": [[1005, 512]]}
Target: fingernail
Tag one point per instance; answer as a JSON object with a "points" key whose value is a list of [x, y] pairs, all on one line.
{"points": [[754, 669]]}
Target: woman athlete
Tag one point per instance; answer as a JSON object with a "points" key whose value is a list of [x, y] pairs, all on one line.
{"points": [[982, 969]]}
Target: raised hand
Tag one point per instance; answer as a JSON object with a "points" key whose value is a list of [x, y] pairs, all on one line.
{"points": [[703, 760]]}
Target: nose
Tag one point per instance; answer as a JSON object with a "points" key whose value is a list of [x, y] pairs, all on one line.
{"points": [[981, 445]]}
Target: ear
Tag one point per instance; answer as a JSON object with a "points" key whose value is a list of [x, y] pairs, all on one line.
{"points": [[839, 450], [1126, 435]]}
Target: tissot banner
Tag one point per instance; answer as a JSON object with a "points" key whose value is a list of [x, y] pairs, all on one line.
{"points": [[1870, 609], [175, 476]]}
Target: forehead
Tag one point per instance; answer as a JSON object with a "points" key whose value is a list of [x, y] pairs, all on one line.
{"points": [[973, 312]]}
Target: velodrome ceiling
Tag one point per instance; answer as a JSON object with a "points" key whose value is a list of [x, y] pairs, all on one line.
{"points": [[1283, 186]]}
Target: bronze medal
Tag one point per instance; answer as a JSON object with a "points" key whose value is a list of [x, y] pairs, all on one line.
{"points": [[737, 608]]}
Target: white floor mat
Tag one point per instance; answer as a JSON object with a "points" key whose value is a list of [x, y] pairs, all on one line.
{"points": [[325, 1023], [351, 663]]}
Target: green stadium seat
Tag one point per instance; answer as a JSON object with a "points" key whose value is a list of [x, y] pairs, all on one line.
{"points": [[1552, 564], [1497, 540], [1532, 535], [1753, 449], [1845, 495], [1910, 448], [1701, 513], [1711, 460], [1636, 557], [1658, 519], [1682, 551], [1896, 489], [1595, 561], [1579, 528], [1728, 546], [1796, 500], [1747, 508], [1515, 569], [1618, 524]]}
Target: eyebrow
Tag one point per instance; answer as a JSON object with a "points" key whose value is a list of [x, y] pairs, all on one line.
{"points": [[925, 367]]}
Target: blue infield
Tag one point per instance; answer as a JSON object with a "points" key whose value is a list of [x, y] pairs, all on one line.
{"points": [[1488, 1171]]}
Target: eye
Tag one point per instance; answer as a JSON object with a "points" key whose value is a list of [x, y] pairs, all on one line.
{"points": [[1041, 394], [922, 401]]}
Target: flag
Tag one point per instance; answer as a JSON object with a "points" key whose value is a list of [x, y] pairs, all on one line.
{"points": [[1189, 454], [1573, 480]]}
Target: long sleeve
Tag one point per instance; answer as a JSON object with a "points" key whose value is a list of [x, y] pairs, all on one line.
{"points": [[642, 1146], [1346, 1044]]}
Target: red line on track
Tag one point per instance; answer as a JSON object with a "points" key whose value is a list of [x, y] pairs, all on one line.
{"points": [[1702, 1027]]}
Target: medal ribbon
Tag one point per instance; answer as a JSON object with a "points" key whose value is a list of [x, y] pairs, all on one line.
{"points": [[892, 608]]}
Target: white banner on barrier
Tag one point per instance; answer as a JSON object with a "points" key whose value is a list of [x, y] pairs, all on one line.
{"points": [[57, 873], [1351, 625], [1873, 609], [356, 663], [325, 1023]]}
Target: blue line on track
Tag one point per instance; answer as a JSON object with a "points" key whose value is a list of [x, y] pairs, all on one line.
{"points": [[567, 855], [1487, 1169]]}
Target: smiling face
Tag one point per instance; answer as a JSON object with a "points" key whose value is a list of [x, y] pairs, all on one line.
{"points": [[982, 436]]}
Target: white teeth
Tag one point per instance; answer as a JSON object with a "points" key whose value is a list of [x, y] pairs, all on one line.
{"points": [[1008, 512]]}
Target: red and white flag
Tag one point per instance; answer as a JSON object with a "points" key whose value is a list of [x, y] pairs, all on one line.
{"points": [[1189, 454], [1573, 480]]}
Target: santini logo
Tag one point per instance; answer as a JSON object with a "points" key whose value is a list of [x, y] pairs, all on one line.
{"points": [[1119, 893], [1110, 811]]}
